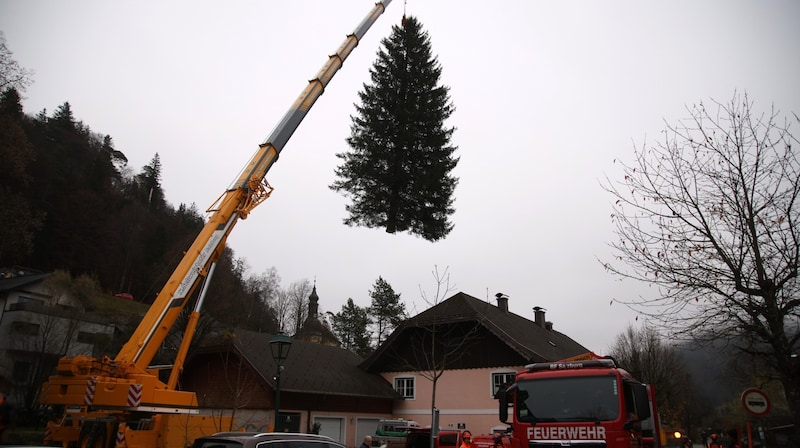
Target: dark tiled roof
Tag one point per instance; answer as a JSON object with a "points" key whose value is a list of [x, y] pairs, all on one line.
{"points": [[10, 284], [531, 341], [313, 368]]}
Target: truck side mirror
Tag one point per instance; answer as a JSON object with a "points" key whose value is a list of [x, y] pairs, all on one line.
{"points": [[505, 395]]}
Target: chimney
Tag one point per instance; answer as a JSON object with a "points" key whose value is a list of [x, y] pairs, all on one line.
{"points": [[538, 316], [502, 302]]}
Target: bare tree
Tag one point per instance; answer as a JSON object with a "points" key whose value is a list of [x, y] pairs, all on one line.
{"points": [[11, 74], [206, 326], [266, 286], [297, 296], [435, 343], [644, 354], [38, 343], [239, 380], [711, 216], [280, 308]]}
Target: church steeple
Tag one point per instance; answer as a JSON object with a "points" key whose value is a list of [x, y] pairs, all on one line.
{"points": [[313, 330], [313, 304]]}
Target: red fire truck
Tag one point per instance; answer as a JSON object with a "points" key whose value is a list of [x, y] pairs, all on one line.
{"points": [[584, 401]]}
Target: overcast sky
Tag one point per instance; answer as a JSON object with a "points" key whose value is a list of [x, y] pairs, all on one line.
{"points": [[547, 96]]}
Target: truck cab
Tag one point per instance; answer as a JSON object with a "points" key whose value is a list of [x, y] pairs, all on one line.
{"points": [[589, 402]]}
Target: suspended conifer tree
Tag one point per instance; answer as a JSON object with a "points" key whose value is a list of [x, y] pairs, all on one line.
{"points": [[398, 170]]}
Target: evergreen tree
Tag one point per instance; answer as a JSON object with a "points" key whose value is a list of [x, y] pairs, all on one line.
{"points": [[150, 184], [63, 116], [350, 326], [117, 157], [19, 217], [386, 311], [398, 172]]}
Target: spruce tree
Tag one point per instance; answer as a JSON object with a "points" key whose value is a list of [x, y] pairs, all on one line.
{"points": [[20, 217], [149, 180], [386, 311], [398, 171], [350, 326]]}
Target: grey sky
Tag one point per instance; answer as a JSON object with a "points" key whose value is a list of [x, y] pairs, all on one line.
{"points": [[547, 95]]}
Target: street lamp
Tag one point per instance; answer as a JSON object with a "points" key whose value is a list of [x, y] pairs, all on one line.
{"points": [[280, 345]]}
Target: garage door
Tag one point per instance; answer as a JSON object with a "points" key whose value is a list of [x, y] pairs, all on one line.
{"points": [[365, 427], [331, 427]]}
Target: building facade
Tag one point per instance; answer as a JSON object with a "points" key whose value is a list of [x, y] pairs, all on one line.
{"points": [[38, 326], [469, 348]]}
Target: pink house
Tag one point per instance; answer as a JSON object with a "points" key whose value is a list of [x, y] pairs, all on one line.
{"points": [[471, 347]]}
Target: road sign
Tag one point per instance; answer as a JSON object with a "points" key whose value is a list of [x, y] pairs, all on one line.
{"points": [[756, 402]]}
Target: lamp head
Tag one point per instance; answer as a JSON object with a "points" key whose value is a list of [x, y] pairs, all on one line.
{"points": [[280, 345]]}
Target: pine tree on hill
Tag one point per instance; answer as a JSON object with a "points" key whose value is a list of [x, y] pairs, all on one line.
{"points": [[398, 171]]}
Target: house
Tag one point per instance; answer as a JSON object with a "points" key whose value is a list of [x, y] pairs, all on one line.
{"points": [[471, 348], [37, 327], [329, 390], [322, 387]]}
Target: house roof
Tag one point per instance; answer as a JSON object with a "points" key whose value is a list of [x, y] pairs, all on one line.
{"points": [[12, 283], [528, 340], [312, 368]]}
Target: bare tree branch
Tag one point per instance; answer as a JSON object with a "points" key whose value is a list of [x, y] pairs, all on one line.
{"points": [[709, 215]]}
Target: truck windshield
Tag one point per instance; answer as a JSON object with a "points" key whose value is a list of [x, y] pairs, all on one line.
{"points": [[569, 399]]}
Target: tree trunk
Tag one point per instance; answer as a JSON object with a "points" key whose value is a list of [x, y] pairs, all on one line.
{"points": [[791, 388]]}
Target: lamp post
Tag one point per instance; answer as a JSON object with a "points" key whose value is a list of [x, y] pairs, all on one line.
{"points": [[280, 345]]}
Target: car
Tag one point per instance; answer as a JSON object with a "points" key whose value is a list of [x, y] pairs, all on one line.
{"points": [[265, 440], [421, 438], [392, 433]]}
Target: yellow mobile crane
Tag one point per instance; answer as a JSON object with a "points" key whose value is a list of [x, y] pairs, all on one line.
{"points": [[121, 402]]}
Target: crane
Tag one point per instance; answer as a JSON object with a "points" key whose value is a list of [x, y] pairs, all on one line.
{"points": [[121, 402]]}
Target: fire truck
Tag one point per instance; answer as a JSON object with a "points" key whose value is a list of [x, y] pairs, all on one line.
{"points": [[585, 401], [122, 402]]}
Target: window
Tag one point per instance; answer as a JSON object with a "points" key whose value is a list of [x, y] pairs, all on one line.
{"points": [[405, 386], [25, 328], [31, 300], [578, 398], [21, 371], [448, 439], [501, 378], [85, 337]]}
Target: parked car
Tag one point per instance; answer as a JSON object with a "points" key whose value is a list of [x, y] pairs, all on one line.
{"points": [[265, 440], [392, 433], [421, 438], [757, 443]]}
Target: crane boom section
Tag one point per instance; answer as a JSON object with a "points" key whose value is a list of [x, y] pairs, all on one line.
{"points": [[260, 165], [160, 317], [249, 191]]}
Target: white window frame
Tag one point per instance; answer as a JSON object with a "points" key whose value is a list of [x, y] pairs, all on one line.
{"points": [[503, 376], [405, 387]]}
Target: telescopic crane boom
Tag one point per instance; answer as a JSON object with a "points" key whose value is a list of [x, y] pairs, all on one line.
{"points": [[121, 402]]}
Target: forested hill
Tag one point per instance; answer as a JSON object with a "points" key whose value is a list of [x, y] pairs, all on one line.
{"points": [[70, 202]]}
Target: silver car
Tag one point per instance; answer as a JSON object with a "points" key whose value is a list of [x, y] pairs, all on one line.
{"points": [[265, 440]]}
